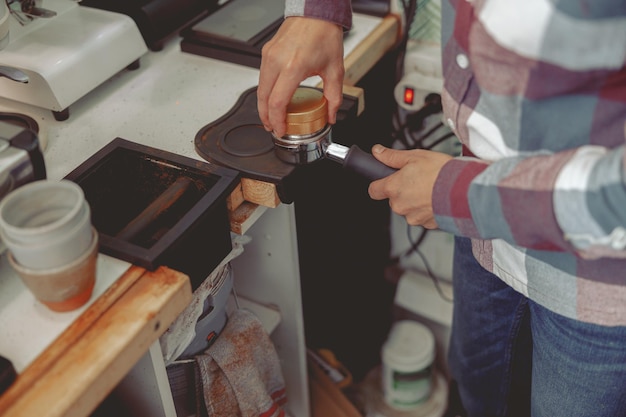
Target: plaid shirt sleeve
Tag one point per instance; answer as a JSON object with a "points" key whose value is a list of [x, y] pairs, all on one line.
{"points": [[336, 11], [536, 92]]}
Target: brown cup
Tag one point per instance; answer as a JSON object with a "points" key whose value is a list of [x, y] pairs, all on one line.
{"points": [[64, 288]]}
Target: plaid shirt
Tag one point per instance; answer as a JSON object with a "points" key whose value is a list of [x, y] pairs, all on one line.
{"points": [[337, 11], [536, 92]]}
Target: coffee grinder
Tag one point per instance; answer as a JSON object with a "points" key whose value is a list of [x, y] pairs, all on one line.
{"points": [[55, 52]]}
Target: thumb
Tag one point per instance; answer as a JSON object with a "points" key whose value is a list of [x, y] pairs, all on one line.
{"points": [[391, 157]]}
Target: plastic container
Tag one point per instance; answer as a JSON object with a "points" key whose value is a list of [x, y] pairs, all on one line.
{"points": [[371, 403], [407, 358]]}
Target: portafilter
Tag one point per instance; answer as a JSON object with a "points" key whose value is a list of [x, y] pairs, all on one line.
{"points": [[308, 138]]}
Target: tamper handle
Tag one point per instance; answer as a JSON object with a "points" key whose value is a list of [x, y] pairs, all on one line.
{"points": [[365, 164]]}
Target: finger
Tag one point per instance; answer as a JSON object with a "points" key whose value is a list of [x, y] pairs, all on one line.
{"points": [[279, 99], [391, 157], [275, 71], [267, 79], [333, 91], [376, 189]]}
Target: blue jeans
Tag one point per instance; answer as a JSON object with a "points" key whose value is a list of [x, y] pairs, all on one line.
{"points": [[499, 336]]}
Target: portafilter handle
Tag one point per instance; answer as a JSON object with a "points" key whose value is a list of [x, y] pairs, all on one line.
{"points": [[358, 161]]}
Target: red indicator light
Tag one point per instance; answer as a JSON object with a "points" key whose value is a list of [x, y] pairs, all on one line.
{"points": [[409, 95]]}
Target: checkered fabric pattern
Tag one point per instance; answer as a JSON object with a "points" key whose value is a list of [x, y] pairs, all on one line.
{"points": [[536, 92]]}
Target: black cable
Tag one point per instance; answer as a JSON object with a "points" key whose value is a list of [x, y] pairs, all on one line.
{"points": [[410, 9], [426, 135], [414, 248], [402, 131], [415, 122], [414, 244], [441, 139], [434, 278]]}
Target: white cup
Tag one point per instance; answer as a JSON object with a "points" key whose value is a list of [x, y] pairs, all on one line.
{"points": [[46, 224], [66, 288]]}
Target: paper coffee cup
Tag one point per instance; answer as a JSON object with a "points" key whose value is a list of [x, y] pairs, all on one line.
{"points": [[46, 224], [64, 288]]}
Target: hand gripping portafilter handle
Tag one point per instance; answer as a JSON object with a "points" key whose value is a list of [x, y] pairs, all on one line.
{"points": [[358, 161]]}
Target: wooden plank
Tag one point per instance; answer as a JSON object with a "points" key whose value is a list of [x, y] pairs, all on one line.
{"points": [[363, 58], [242, 213], [75, 331], [92, 365], [359, 94], [259, 192], [235, 198], [247, 205], [244, 216]]}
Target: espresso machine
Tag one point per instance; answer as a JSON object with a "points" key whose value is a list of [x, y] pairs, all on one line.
{"points": [[53, 52], [21, 159]]}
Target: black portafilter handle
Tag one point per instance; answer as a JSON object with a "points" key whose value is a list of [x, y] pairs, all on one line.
{"points": [[358, 161], [7, 374]]}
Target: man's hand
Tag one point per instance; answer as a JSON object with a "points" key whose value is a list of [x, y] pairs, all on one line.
{"points": [[410, 190], [302, 47]]}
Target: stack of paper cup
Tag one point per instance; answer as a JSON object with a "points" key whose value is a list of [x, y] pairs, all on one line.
{"points": [[46, 226]]}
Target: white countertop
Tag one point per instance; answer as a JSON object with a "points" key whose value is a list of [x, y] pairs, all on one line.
{"points": [[162, 104]]}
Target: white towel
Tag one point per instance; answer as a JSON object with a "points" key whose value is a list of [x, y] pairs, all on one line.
{"points": [[180, 333], [241, 374]]}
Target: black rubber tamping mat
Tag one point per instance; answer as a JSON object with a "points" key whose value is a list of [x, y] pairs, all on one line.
{"points": [[238, 140]]}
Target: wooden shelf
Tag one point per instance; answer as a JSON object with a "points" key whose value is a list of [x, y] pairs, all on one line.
{"points": [[73, 375]]}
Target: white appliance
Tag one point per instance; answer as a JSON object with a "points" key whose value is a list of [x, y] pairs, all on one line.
{"points": [[56, 52]]}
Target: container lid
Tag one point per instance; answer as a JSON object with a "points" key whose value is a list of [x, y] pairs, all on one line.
{"points": [[307, 112], [410, 346]]}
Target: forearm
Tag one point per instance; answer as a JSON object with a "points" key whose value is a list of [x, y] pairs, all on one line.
{"points": [[567, 201]]}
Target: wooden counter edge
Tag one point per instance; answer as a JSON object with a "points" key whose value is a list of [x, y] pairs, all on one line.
{"points": [[85, 364], [367, 53], [28, 377]]}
